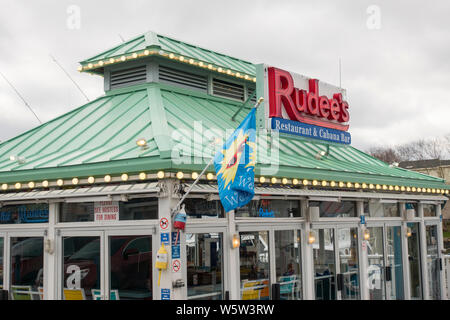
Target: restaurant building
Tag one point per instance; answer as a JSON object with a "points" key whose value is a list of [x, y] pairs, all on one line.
{"points": [[87, 198]]}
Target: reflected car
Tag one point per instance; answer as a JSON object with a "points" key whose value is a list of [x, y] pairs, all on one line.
{"points": [[130, 264]]}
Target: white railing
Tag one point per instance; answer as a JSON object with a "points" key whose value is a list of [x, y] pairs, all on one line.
{"points": [[446, 265]]}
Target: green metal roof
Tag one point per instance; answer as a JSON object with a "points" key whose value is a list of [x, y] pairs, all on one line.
{"points": [[100, 138], [151, 40]]}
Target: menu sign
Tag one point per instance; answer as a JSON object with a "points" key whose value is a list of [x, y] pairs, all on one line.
{"points": [[106, 211]]}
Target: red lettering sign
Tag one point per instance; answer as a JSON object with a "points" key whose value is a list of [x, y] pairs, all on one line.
{"points": [[308, 107]]}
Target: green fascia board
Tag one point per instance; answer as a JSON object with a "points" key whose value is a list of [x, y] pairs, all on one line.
{"points": [[98, 169]]}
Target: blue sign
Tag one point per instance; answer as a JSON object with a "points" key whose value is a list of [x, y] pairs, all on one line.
{"points": [[310, 131], [176, 252], [174, 237], [266, 213], [165, 238], [165, 294], [363, 219]]}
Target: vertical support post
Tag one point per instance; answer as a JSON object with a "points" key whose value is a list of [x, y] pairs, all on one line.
{"points": [[405, 254], [444, 295], [233, 260], [307, 257], [50, 259], [363, 258], [423, 254], [168, 199]]}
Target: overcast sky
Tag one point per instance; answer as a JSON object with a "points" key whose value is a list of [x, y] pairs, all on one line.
{"points": [[395, 54]]}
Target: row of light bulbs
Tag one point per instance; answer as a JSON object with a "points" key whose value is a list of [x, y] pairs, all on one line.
{"points": [[172, 56], [210, 176]]}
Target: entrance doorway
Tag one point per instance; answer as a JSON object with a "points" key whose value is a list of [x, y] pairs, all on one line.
{"points": [[267, 257], [105, 265], [433, 261], [385, 266], [336, 263]]}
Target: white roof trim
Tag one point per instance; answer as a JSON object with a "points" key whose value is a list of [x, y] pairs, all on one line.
{"points": [[289, 192], [81, 192]]}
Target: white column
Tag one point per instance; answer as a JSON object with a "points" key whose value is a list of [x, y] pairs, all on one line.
{"points": [[233, 260], [307, 257], [168, 200], [51, 254], [423, 254], [440, 248], [363, 258]]}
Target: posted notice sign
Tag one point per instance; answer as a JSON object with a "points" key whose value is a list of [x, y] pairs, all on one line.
{"points": [[106, 211]]}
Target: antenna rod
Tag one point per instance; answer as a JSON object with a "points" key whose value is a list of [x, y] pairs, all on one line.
{"points": [[20, 96], [68, 75]]}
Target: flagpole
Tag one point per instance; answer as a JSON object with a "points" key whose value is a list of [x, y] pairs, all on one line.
{"points": [[260, 100]]}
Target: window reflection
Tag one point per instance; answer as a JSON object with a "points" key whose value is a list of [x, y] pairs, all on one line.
{"points": [[414, 261], [288, 264], [330, 209], [131, 267], [204, 266], [377, 209], [201, 208], [27, 262], [269, 208], [254, 265], [324, 265]]}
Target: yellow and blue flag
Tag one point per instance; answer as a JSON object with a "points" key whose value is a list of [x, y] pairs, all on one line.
{"points": [[235, 165]]}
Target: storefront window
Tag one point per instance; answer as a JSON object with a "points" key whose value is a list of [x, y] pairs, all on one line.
{"points": [[27, 261], [201, 208], [429, 210], [24, 213], [204, 266], [1, 262], [288, 264], [254, 265], [375, 271], [434, 283], [267, 208], [330, 209], [324, 265], [81, 270], [349, 266], [130, 267], [414, 261], [377, 209], [394, 283], [134, 209]]}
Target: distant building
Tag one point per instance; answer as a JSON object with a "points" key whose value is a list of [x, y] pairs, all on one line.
{"points": [[436, 168]]}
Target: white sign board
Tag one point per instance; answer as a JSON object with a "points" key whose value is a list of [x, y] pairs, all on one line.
{"points": [[106, 211]]}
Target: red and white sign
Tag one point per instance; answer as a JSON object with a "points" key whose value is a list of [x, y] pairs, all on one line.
{"points": [[176, 265], [298, 98], [106, 211], [163, 223]]}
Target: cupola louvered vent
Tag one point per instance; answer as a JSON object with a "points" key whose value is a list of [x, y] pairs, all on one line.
{"points": [[127, 77], [228, 89], [250, 91], [182, 78]]}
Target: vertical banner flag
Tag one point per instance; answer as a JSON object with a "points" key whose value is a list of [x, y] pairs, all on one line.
{"points": [[235, 165]]}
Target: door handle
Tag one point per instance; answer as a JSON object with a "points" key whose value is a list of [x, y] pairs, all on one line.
{"points": [[340, 281], [388, 273]]}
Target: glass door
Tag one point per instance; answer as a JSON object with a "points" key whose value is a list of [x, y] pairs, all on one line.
{"points": [[415, 280], [81, 265], [26, 265], [336, 264], [325, 264], [385, 269], [433, 262], [204, 253], [254, 265], [128, 266], [288, 263], [394, 263]]}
